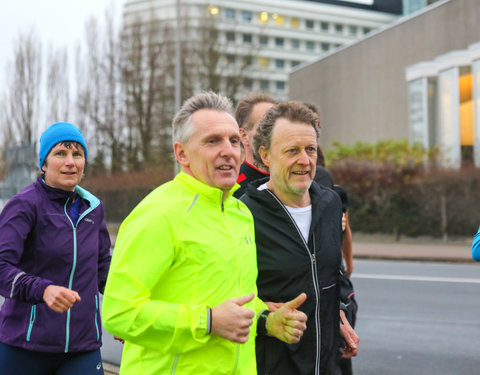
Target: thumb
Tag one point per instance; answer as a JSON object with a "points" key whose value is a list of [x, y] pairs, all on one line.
{"points": [[296, 302], [240, 301], [76, 296]]}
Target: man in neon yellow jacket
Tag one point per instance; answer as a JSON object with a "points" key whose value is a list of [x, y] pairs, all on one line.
{"points": [[181, 289]]}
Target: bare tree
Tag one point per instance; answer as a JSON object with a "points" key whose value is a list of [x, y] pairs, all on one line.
{"points": [[146, 72], [57, 86], [24, 90], [99, 92]]}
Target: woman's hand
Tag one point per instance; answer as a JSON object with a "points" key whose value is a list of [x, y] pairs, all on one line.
{"points": [[60, 299]]}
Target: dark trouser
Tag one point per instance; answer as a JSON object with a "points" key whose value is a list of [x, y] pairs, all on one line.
{"points": [[18, 361]]}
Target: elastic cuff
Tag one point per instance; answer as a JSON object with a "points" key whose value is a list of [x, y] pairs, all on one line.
{"points": [[209, 320], [262, 322]]}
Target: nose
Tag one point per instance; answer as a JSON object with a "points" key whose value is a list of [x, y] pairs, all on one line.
{"points": [[303, 158], [69, 159], [227, 149]]}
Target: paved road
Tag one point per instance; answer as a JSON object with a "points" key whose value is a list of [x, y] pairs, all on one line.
{"points": [[417, 318]]}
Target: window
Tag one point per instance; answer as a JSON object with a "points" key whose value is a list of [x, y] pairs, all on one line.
{"points": [[280, 85], [247, 61], [294, 63], [278, 19], [325, 46], [263, 18], [295, 43], [310, 45], [366, 30], [339, 28], [324, 26], [230, 14], [263, 62], [248, 83], [294, 22], [264, 85], [309, 24], [247, 38], [352, 30], [213, 10], [279, 42], [247, 16], [230, 36], [279, 63], [263, 40], [230, 59]]}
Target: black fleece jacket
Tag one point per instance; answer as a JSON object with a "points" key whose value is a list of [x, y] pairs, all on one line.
{"points": [[287, 266]]}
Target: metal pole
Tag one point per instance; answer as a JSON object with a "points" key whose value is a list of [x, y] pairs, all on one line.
{"points": [[178, 60], [178, 71]]}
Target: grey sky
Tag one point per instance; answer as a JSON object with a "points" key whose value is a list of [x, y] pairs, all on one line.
{"points": [[56, 22]]}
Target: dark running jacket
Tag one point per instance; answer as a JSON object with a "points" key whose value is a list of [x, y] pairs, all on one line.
{"points": [[288, 266], [40, 246]]}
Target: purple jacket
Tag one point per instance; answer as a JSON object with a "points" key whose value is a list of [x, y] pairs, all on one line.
{"points": [[40, 246]]}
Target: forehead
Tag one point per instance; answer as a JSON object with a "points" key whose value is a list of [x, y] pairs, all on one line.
{"points": [[207, 122], [68, 145], [259, 111], [291, 132]]}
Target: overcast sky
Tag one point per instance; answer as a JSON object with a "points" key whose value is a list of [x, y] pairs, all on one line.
{"points": [[57, 22]]}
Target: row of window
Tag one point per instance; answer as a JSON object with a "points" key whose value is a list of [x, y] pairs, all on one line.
{"points": [[264, 18], [263, 62], [280, 42], [264, 85]]}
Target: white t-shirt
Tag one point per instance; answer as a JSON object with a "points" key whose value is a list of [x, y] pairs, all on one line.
{"points": [[301, 215]]}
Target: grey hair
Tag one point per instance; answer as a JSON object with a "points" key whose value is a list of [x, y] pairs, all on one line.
{"points": [[292, 111], [182, 122]]}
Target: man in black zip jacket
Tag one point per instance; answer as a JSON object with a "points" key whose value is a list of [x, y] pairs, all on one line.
{"points": [[298, 234]]}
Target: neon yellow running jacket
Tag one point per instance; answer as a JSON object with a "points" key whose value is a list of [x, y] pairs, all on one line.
{"points": [[180, 251]]}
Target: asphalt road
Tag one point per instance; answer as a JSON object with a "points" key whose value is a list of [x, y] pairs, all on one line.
{"points": [[417, 318]]}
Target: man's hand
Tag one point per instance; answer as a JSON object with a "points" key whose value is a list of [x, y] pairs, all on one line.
{"points": [[349, 336], [60, 299], [287, 323], [231, 320]]}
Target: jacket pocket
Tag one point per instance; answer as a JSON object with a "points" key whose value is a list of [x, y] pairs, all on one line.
{"points": [[96, 317], [33, 313]]}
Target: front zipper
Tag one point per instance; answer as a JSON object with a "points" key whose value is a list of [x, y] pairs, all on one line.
{"points": [[313, 266], [175, 363], [33, 312], [70, 281]]}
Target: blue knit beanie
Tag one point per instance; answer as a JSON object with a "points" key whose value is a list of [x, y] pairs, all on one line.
{"points": [[56, 133]]}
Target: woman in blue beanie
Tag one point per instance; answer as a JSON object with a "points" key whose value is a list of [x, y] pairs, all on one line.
{"points": [[54, 259]]}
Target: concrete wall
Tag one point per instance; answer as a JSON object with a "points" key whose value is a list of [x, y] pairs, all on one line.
{"points": [[361, 90]]}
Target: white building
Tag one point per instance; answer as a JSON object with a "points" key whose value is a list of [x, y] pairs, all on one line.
{"points": [[270, 37]]}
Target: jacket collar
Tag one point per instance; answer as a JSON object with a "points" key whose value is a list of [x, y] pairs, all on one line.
{"points": [[213, 194], [54, 193]]}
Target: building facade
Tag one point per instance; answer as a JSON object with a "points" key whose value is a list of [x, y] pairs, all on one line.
{"points": [[414, 79], [265, 40]]}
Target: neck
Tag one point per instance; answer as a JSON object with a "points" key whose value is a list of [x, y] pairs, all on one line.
{"points": [[290, 199], [251, 161]]}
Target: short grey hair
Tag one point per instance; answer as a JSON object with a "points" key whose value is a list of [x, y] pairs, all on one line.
{"points": [[182, 125], [292, 111]]}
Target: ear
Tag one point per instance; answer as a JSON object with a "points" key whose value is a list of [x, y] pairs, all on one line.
{"points": [[264, 155], [244, 137], [181, 154]]}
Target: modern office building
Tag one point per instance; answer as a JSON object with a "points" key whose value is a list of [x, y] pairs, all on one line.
{"points": [[411, 6], [266, 39], [417, 79]]}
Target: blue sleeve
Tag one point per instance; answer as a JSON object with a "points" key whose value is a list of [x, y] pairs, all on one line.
{"points": [[476, 246]]}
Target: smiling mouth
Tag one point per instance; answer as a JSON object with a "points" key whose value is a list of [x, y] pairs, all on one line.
{"points": [[301, 173], [225, 167]]}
